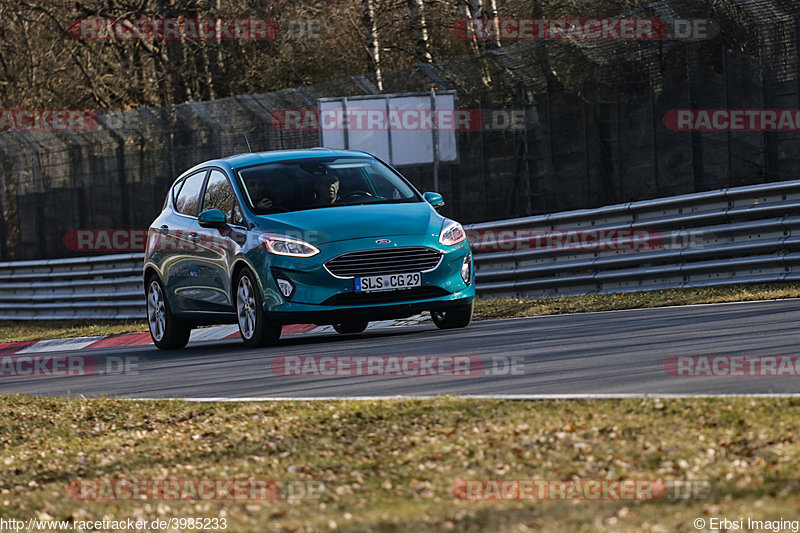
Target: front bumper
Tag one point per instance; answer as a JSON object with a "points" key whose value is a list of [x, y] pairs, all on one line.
{"points": [[322, 315], [322, 298]]}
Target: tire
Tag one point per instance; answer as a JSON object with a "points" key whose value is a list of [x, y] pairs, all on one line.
{"points": [[457, 317], [167, 332], [255, 329], [355, 326]]}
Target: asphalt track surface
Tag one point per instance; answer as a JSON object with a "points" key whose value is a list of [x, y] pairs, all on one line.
{"points": [[608, 353]]}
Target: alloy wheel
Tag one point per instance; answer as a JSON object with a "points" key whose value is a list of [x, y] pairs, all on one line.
{"points": [[155, 311], [246, 307]]}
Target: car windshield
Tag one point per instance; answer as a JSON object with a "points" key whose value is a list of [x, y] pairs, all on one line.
{"points": [[317, 183]]}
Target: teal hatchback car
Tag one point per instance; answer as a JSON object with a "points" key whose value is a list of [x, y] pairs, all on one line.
{"points": [[313, 236]]}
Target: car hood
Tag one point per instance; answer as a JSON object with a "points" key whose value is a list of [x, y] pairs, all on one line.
{"points": [[342, 223]]}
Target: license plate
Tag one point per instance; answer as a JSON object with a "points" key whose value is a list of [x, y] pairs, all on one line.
{"points": [[388, 282]]}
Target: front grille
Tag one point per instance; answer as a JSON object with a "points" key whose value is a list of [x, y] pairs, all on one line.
{"points": [[384, 261], [367, 298]]}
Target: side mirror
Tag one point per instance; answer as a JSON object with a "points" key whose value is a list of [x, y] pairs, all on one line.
{"points": [[434, 198], [213, 218]]}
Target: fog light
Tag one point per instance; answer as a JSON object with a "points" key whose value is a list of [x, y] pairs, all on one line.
{"points": [[466, 270], [285, 286]]}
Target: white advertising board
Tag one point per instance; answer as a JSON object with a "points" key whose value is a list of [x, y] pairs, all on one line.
{"points": [[401, 129]]}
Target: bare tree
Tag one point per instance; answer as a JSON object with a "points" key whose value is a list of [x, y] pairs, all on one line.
{"points": [[371, 34], [416, 9], [45, 63], [472, 9], [542, 50], [490, 13]]}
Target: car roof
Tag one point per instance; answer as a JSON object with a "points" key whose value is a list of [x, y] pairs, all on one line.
{"points": [[248, 159]]}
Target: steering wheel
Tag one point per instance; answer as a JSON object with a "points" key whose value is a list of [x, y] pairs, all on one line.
{"points": [[356, 193]]}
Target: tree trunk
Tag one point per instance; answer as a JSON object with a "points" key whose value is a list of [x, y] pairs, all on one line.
{"points": [[416, 10], [173, 56], [472, 9], [212, 59], [541, 52], [371, 34], [475, 11], [490, 13]]}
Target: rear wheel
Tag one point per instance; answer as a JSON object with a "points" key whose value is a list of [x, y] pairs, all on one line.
{"points": [[167, 332], [457, 317], [254, 327], [355, 326]]}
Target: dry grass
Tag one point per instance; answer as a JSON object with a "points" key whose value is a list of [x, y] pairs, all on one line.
{"points": [[391, 465]]}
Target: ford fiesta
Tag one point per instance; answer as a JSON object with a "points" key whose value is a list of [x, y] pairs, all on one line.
{"points": [[313, 236]]}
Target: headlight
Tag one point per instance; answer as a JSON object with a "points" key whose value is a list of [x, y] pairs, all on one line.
{"points": [[279, 245], [452, 233]]}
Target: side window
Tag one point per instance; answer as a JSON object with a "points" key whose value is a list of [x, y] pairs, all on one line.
{"points": [[188, 197], [237, 218], [176, 189], [219, 194]]}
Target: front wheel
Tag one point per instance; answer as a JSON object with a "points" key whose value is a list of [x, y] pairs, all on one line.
{"points": [[457, 317], [167, 332], [254, 327], [356, 326]]}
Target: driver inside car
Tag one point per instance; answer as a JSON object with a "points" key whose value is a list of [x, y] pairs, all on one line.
{"points": [[326, 189]]}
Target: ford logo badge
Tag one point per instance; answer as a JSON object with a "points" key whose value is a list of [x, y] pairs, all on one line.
{"points": [[382, 241]]}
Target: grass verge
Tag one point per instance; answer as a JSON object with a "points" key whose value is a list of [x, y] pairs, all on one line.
{"points": [[517, 307], [37, 330], [391, 465], [13, 331]]}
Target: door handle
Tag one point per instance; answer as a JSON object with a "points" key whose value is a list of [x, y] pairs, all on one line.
{"points": [[164, 229], [194, 236]]}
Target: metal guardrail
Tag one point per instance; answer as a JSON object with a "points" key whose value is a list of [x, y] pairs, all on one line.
{"points": [[103, 287], [737, 235]]}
